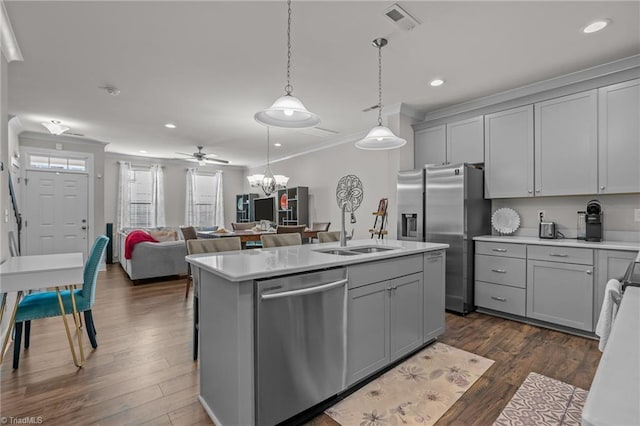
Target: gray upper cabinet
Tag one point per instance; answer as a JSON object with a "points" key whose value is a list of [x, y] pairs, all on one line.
{"points": [[430, 146], [508, 152], [465, 141], [566, 140], [619, 138]]}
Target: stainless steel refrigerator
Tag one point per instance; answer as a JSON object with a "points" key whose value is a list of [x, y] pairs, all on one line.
{"points": [[445, 204]]}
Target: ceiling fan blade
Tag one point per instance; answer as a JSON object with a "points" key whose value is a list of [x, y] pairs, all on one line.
{"points": [[184, 153], [215, 160]]}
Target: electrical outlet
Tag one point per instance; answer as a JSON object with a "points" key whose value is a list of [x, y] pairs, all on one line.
{"points": [[541, 214], [636, 215]]}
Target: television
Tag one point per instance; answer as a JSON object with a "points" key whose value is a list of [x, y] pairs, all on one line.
{"points": [[264, 209]]}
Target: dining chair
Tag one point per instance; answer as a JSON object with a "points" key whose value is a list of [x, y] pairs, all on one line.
{"points": [[291, 229], [46, 304], [188, 233], [206, 246], [243, 226], [327, 237], [282, 240], [319, 227]]}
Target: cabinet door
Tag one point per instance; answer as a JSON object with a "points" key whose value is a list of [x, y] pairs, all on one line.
{"points": [[508, 153], [465, 141], [560, 293], [566, 158], [611, 264], [434, 282], [430, 146], [367, 330], [405, 300], [619, 142]]}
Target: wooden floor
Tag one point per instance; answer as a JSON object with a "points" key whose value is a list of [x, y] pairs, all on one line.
{"points": [[142, 371]]}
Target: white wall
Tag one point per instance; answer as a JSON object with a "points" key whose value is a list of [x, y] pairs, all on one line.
{"points": [[618, 218], [175, 186], [321, 171]]}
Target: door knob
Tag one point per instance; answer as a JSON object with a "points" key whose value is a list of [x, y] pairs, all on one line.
{"points": [[602, 188]]}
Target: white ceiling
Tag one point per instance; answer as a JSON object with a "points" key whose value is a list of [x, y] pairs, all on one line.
{"points": [[209, 66]]}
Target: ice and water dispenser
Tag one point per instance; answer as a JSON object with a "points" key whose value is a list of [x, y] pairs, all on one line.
{"points": [[409, 225]]}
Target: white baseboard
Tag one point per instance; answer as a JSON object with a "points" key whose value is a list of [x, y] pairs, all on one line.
{"points": [[209, 411]]}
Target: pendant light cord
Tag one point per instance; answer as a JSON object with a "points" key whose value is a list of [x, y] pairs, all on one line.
{"points": [[268, 143], [380, 85], [288, 88]]}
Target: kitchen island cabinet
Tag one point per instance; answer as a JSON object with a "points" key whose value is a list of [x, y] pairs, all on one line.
{"points": [[383, 300]]}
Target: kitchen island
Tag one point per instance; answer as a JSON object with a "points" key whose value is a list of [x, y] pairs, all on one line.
{"points": [[286, 328]]}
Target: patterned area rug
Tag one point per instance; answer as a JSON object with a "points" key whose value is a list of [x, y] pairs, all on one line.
{"points": [[543, 401], [417, 392]]}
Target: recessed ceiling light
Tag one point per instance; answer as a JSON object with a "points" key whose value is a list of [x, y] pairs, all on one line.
{"points": [[142, 151], [595, 26], [170, 126], [277, 144], [437, 82]]}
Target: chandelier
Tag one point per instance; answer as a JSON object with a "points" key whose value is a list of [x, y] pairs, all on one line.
{"points": [[268, 181]]}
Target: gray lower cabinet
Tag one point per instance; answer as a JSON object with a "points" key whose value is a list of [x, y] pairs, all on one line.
{"points": [[384, 323], [560, 293], [610, 264], [434, 299], [367, 330]]}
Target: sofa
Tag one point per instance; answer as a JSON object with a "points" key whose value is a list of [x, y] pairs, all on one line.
{"points": [[153, 260]]}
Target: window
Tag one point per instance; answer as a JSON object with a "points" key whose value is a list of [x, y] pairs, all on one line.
{"points": [[140, 207], [140, 196], [40, 161], [204, 199]]}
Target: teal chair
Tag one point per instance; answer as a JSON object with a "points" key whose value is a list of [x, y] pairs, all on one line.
{"points": [[45, 304]]}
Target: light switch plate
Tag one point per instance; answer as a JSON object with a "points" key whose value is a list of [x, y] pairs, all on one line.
{"points": [[637, 215]]}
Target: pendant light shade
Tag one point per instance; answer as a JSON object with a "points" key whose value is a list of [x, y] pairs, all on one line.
{"points": [[380, 137], [287, 111]]}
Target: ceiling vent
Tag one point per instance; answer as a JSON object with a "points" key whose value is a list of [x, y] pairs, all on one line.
{"points": [[401, 17]]}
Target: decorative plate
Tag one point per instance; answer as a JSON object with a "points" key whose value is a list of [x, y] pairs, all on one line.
{"points": [[505, 220], [284, 202], [240, 204]]}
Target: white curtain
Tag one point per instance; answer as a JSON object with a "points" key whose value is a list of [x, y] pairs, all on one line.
{"points": [[124, 195], [204, 204], [157, 196], [190, 218], [218, 212]]}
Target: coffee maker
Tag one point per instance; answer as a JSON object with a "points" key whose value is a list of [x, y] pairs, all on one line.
{"points": [[594, 221]]}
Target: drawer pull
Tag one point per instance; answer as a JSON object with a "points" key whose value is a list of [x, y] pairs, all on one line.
{"points": [[500, 271], [588, 272], [558, 255], [499, 299], [500, 250]]}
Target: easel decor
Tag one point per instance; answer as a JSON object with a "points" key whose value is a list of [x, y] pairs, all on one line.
{"points": [[380, 221]]}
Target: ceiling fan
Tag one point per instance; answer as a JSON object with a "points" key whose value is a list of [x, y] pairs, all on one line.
{"points": [[201, 157]]}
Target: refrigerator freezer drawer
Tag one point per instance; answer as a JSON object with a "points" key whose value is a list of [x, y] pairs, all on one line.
{"points": [[501, 270], [501, 298]]}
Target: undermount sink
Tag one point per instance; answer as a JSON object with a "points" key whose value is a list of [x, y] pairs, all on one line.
{"points": [[352, 251], [370, 249]]}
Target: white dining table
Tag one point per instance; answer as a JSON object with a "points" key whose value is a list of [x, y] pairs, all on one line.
{"points": [[24, 273]]}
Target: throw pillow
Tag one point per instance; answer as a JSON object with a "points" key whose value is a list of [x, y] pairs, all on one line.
{"points": [[166, 235]]}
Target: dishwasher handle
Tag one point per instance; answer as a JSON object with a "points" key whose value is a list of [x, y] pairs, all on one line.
{"points": [[304, 291]]}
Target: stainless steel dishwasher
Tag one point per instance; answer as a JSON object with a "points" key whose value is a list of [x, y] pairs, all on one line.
{"points": [[301, 333]]}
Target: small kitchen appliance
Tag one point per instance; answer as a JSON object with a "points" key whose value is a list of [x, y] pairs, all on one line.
{"points": [[547, 230], [581, 233], [594, 221]]}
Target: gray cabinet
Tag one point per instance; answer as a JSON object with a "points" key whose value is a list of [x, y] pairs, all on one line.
{"points": [[560, 293], [566, 158], [508, 153], [465, 141], [434, 290], [405, 310], [367, 330], [430, 146], [293, 206], [610, 264], [619, 138]]}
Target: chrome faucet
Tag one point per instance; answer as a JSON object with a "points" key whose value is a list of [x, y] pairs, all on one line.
{"points": [[343, 230]]}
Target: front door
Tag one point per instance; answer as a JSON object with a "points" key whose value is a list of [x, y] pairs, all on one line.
{"points": [[56, 212]]}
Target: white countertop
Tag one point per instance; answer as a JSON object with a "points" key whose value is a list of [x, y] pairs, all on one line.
{"points": [[564, 242], [615, 392], [261, 263]]}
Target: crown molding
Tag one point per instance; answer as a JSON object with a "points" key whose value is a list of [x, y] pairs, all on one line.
{"points": [[403, 109], [8, 42], [121, 156]]}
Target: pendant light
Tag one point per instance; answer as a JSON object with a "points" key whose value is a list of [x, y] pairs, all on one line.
{"points": [[380, 137], [287, 111], [267, 181]]}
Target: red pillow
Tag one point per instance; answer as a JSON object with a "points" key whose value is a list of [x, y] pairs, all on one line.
{"points": [[134, 238]]}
